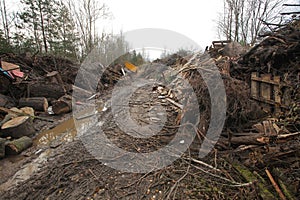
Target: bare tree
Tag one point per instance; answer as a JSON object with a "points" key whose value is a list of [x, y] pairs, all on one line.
{"points": [[86, 14], [6, 21], [242, 20]]}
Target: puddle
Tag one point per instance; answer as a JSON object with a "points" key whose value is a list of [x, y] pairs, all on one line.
{"points": [[64, 132]]}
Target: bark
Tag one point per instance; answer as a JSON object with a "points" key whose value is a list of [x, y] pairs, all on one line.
{"points": [[17, 146], [37, 103], [50, 90], [2, 147], [18, 127], [63, 105]]}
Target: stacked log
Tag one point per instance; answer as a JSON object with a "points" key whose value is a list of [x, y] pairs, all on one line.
{"points": [[47, 90], [62, 105], [6, 101], [18, 127], [37, 103], [17, 146]]}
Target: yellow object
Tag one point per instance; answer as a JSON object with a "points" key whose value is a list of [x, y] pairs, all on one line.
{"points": [[130, 66]]}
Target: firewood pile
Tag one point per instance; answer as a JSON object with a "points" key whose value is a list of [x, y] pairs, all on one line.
{"points": [[42, 87]]}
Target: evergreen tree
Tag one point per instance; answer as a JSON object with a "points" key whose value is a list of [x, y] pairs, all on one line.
{"points": [[47, 27], [65, 40]]}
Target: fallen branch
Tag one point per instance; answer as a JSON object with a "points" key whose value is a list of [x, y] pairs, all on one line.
{"points": [[285, 136], [251, 177], [281, 195]]}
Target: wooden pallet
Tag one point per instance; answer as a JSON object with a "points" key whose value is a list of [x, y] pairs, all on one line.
{"points": [[267, 90]]}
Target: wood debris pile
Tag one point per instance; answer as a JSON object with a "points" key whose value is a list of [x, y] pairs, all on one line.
{"points": [[258, 150]]}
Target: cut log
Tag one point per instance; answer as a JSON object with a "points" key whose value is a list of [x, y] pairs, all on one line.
{"points": [[28, 111], [47, 90], [2, 147], [5, 83], [18, 127], [23, 113], [17, 146], [55, 77], [6, 101], [62, 105], [37, 103]]}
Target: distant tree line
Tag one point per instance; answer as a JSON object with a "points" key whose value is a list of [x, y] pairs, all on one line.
{"points": [[59, 27]]}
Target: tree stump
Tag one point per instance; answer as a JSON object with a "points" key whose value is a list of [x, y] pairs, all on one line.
{"points": [[17, 146], [18, 127], [37, 103]]}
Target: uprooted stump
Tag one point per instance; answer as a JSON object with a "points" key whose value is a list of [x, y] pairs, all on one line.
{"points": [[240, 108]]}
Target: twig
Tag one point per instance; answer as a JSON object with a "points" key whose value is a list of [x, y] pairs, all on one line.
{"points": [[284, 136], [178, 181], [175, 103], [234, 183], [202, 163], [281, 195], [290, 4], [96, 177], [136, 181], [278, 39], [290, 13]]}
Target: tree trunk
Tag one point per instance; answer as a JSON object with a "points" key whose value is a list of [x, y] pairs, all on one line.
{"points": [[17, 146], [43, 28], [18, 127], [37, 103]]}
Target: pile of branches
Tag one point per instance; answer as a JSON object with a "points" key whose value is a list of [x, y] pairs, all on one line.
{"points": [[278, 53], [241, 112]]}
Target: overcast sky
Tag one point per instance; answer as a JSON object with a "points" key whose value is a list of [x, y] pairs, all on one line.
{"points": [[196, 19]]}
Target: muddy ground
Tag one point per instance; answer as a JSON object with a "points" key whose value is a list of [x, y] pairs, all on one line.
{"points": [[59, 166]]}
